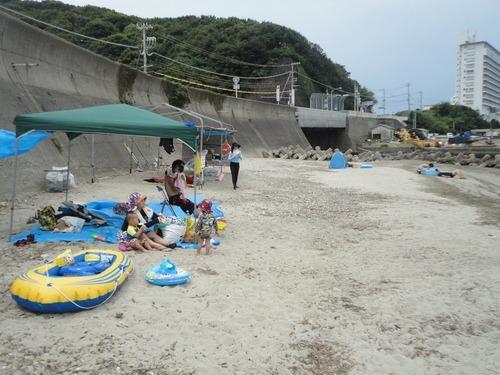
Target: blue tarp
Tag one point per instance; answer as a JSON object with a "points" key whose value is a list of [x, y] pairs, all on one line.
{"points": [[216, 133], [338, 161], [26, 142], [104, 208]]}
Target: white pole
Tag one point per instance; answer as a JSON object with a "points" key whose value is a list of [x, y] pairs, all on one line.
{"points": [[13, 197], [67, 170], [92, 158]]}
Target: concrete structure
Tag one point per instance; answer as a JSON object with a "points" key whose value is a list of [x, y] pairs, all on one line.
{"points": [[55, 74], [383, 132], [477, 82]]}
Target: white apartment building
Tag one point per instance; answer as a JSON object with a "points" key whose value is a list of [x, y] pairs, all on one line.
{"points": [[478, 77]]}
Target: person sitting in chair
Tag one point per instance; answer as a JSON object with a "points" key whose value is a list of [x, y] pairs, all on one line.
{"points": [[175, 186]]}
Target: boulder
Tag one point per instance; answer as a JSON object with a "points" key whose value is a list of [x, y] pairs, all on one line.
{"points": [[266, 154], [377, 156], [355, 158], [497, 160], [485, 158]]}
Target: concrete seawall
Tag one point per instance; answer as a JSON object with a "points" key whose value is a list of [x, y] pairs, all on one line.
{"points": [[65, 76]]}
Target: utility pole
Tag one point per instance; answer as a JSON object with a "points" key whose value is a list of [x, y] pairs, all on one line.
{"points": [[409, 102], [147, 43], [236, 85], [292, 83], [420, 98], [383, 102]]}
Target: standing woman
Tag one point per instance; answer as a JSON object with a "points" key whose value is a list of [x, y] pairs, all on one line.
{"points": [[235, 157]]}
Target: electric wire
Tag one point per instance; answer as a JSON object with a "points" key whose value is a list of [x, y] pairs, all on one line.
{"points": [[66, 30]]}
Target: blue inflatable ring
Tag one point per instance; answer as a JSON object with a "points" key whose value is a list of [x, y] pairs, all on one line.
{"points": [[167, 274]]}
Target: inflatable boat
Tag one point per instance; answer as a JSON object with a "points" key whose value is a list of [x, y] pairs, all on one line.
{"points": [[72, 282], [167, 274]]}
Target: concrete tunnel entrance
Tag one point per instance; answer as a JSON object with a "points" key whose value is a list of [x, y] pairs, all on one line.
{"points": [[325, 137]]}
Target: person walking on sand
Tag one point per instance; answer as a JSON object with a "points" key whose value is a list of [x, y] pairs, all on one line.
{"points": [[235, 156]]}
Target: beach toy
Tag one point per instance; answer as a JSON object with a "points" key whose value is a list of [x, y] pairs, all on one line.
{"points": [[221, 225], [98, 237], [72, 283], [167, 274], [366, 165], [215, 242]]}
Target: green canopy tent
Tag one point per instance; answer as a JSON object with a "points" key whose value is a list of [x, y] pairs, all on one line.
{"points": [[105, 119]]}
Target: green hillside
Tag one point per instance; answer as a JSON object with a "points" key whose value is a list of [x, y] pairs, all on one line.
{"points": [[445, 117], [225, 45]]}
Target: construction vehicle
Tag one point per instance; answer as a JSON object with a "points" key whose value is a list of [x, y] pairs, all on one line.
{"points": [[417, 137]]}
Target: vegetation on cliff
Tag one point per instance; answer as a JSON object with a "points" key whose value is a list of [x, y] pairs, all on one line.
{"points": [[232, 46]]}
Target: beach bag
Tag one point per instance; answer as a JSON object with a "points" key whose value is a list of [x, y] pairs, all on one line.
{"points": [[189, 235], [56, 179], [47, 218], [173, 233]]}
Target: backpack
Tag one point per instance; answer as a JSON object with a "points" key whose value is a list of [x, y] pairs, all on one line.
{"points": [[47, 218]]}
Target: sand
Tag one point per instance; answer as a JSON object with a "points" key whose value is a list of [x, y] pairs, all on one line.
{"points": [[358, 271]]}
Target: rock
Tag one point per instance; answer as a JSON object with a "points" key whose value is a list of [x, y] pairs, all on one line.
{"points": [[266, 155], [119, 315], [490, 163], [377, 156], [485, 158], [432, 156], [399, 155], [317, 148], [355, 158], [497, 160]]}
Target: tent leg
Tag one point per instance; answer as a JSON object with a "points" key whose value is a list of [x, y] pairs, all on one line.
{"points": [[13, 197], [195, 180], [131, 154], [67, 170], [92, 158]]}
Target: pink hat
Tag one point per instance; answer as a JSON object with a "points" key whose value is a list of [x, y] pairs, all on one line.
{"points": [[206, 205]]}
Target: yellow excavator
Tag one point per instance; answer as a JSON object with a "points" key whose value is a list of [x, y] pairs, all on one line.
{"points": [[415, 137]]}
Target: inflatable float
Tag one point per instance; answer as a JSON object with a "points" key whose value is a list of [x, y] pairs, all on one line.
{"points": [[167, 274], [72, 282]]}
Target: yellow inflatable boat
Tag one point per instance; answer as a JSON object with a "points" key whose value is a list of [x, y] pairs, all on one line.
{"points": [[72, 282]]}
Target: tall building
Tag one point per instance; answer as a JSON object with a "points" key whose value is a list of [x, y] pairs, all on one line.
{"points": [[478, 77]]}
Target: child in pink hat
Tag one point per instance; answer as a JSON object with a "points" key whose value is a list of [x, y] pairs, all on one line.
{"points": [[206, 226]]}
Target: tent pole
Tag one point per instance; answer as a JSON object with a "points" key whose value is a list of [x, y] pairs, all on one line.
{"points": [[131, 153], [67, 168], [92, 158], [13, 197], [201, 155]]}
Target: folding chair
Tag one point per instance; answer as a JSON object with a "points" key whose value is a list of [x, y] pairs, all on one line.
{"points": [[165, 200]]}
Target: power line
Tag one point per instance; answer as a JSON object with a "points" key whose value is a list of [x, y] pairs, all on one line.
{"points": [[216, 73], [66, 30], [213, 87]]}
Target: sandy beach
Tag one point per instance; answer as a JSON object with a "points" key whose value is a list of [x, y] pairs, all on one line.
{"points": [[359, 271]]}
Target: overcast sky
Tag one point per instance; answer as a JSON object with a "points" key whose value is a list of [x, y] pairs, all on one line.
{"points": [[383, 43]]}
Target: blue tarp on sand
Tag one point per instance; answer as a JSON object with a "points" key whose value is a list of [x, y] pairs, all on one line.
{"points": [[26, 142], [104, 208]]}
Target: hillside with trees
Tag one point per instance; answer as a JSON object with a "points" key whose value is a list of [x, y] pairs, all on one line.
{"points": [[445, 117], [231, 46]]}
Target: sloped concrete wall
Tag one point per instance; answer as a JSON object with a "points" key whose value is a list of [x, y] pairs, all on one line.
{"points": [[66, 76]]}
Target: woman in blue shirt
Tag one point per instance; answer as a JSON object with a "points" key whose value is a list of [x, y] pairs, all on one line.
{"points": [[235, 157]]}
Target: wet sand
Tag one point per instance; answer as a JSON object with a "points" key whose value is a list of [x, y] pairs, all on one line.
{"points": [[358, 271]]}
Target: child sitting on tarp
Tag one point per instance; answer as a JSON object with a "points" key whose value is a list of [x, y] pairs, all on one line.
{"points": [[133, 235], [175, 186], [206, 226]]}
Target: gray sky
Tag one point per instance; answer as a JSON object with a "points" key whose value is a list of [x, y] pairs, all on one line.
{"points": [[383, 43]]}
